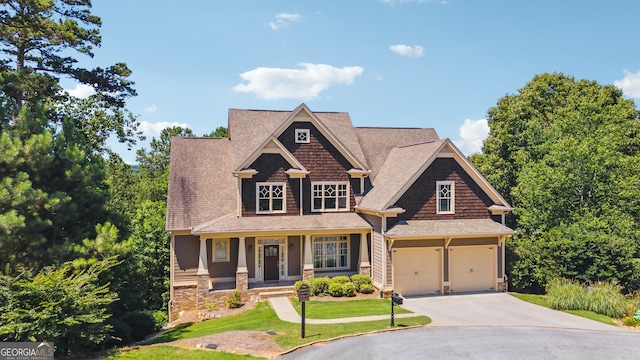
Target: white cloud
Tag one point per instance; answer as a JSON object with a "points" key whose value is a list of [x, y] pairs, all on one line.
{"points": [[630, 84], [283, 20], [301, 84], [472, 135], [154, 129], [81, 91], [406, 50], [150, 109]]}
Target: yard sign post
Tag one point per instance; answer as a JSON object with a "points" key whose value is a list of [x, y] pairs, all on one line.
{"points": [[303, 297]]}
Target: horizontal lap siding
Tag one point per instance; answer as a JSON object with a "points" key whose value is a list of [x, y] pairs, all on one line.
{"points": [[220, 269], [294, 255], [419, 200], [377, 246], [186, 253]]}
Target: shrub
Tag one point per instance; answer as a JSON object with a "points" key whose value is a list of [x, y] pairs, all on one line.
{"points": [[605, 298], [335, 290], [565, 294], [161, 318], [366, 289], [141, 323], [340, 279], [299, 283], [360, 279], [631, 321], [120, 333], [349, 289], [320, 286], [234, 300]]}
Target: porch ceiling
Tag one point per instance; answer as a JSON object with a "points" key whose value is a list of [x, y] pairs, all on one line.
{"points": [[448, 228], [258, 224]]}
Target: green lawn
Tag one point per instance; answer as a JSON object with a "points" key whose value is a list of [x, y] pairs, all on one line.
{"points": [[263, 318], [542, 301], [171, 352], [349, 308]]}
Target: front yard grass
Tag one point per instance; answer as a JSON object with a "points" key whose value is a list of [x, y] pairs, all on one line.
{"points": [[264, 318], [172, 352], [542, 301], [341, 309]]}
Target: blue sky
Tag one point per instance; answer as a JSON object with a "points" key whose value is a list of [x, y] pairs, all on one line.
{"points": [[404, 63]]}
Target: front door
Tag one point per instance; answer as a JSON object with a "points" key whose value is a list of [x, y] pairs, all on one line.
{"points": [[271, 262]]}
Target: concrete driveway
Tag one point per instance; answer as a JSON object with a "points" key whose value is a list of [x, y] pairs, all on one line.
{"points": [[496, 309]]}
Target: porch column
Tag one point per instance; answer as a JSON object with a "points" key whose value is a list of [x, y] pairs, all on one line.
{"points": [[307, 269], [365, 265], [242, 273], [202, 288]]}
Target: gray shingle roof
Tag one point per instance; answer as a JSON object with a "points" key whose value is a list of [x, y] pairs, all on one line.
{"points": [[401, 164], [376, 143], [448, 228], [201, 185], [334, 221]]}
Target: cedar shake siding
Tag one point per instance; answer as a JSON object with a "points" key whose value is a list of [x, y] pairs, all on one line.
{"points": [[186, 252], [271, 168], [420, 200], [321, 158]]}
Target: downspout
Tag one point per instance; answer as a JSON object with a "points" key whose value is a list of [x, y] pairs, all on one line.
{"points": [[301, 207]]}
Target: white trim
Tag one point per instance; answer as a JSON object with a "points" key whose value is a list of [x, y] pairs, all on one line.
{"points": [[307, 134], [452, 197], [337, 198], [213, 250], [271, 185], [282, 253], [338, 241]]}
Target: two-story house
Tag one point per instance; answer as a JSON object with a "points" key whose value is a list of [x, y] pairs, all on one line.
{"points": [[297, 194]]}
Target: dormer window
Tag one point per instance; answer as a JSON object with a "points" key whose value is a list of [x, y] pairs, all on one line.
{"points": [[270, 198], [302, 136]]}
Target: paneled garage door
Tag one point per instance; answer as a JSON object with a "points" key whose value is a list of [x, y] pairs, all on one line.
{"points": [[472, 268], [417, 271]]}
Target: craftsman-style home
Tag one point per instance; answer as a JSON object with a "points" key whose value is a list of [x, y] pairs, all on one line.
{"points": [[297, 194]]}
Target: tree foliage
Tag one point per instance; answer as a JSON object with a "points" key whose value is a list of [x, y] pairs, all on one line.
{"points": [[65, 305], [566, 154]]}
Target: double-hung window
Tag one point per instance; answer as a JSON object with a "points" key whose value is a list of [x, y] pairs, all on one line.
{"points": [[330, 196], [270, 198], [331, 252], [445, 191]]}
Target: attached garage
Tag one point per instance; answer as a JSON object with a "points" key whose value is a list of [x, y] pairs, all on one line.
{"points": [[417, 271], [472, 268]]}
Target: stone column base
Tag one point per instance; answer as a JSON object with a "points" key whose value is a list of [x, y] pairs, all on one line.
{"points": [[242, 281], [447, 289], [202, 290], [365, 270], [308, 274], [502, 287]]}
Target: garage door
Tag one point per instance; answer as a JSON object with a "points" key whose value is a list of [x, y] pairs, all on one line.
{"points": [[417, 271], [472, 268]]}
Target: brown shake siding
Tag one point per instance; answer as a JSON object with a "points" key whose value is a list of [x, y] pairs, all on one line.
{"points": [[320, 157], [420, 199], [271, 168], [186, 254]]}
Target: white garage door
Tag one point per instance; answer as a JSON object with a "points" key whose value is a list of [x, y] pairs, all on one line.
{"points": [[417, 271], [472, 268]]}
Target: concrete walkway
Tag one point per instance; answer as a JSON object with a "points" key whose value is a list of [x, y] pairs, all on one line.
{"points": [[286, 312]]}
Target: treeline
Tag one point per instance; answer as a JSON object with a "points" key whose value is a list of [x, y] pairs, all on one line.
{"points": [[566, 154], [84, 258]]}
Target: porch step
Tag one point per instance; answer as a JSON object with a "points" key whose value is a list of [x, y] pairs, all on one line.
{"points": [[280, 293]]}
